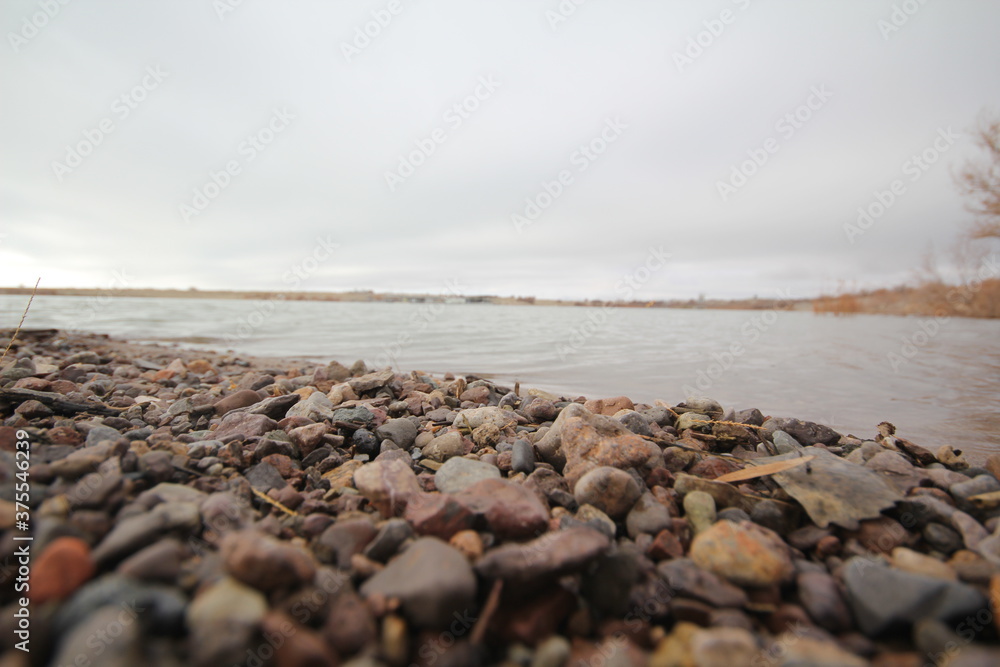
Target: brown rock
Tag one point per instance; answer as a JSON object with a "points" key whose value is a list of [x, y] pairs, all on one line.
{"points": [[62, 567], [469, 543], [712, 467], [550, 555], [350, 625], [438, 514], [300, 646], [342, 540], [610, 490], [160, 561], [243, 426], [665, 546], [479, 395], [240, 399], [744, 553], [63, 435], [534, 620], [308, 437], [609, 406], [388, 485], [822, 599], [881, 535], [511, 510], [265, 563]]}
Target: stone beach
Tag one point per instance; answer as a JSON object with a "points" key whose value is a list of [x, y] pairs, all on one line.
{"points": [[197, 508]]}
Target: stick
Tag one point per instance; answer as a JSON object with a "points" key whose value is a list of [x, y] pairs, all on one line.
{"points": [[23, 315]]}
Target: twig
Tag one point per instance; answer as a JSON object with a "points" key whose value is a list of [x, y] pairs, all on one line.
{"points": [[23, 315], [269, 499]]}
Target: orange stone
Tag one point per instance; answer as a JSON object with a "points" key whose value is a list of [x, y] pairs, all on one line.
{"points": [[199, 366], [60, 569]]}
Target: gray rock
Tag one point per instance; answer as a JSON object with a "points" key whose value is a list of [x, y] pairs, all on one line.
{"points": [[942, 538], [401, 431], [544, 558], [973, 487], [692, 420], [265, 477], [243, 426], [222, 620], [636, 423], [432, 581], [342, 540], [883, 598], [648, 515], [523, 457], [389, 538], [110, 636], [610, 490], [357, 415], [365, 443], [317, 407], [733, 514], [459, 473], [98, 434], [156, 606], [137, 531], [820, 596], [445, 446], [704, 405], [686, 579], [606, 586], [784, 443], [807, 433]]}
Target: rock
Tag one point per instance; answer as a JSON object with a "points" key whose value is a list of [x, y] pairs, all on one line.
{"points": [[459, 473], [476, 417], [692, 420], [316, 407], [942, 538], [973, 487], [784, 443], [341, 540], [265, 563], [365, 443], [243, 426], [723, 647], [480, 394], [807, 433], [160, 561], [265, 477], [157, 606], [951, 457], [648, 515], [99, 434], [699, 508], [609, 406], [523, 457], [553, 652], [821, 597], [511, 511], [913, 562], [222, 620], [540, 411], [897, 470], [580, 441], [665, 546], [387, 541], [401, 431], [611, 490], [92, 641], [487, 435], [350, 625], [387, 485], [543, 558], [636, 423], [301, 646], [61, 568], [371, 381], [793, 649], [686, 578], [446, 446], [881, 535], [308, 437], [883, 598], [139, 530], [238, 399], [431, 580], [744, 553], [469, 543], [607, 584], [439, 515], [357, 415]]}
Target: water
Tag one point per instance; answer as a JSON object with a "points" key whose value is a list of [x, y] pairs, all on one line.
{"points": [[943, 389]]}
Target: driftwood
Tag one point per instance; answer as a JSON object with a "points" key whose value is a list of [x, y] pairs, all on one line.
{"points": [[57, 402]]}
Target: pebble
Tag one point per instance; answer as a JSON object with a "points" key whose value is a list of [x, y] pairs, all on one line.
{"points": [[446, 446], [648, 515], [510, 510], [610, 490], [61, 568], [459, 473], [699, 509], [437, 514], [914, 562], [387, 485], [550, 555], [686, 578], [820, 595], [403, 432], [388, 539], [222, 619], [432, 581], [523, 457], [342, 539], [744, 553], [265, 563]]}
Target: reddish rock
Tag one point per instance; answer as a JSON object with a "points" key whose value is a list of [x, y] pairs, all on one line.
{"points": [[438, 514], [60, 570], [35, 384], [821, 597], [610, 490], [512, 511], [712, 467], [550, 555], [33, 409], [609, 406], [350, 625], [664, 546], [308, 437], [388, 485], [744, 553], [285, 466], [265, 563], [200, 366], [479, 395], [532, 621], [881, 535], [299, 646], [243, 426]]}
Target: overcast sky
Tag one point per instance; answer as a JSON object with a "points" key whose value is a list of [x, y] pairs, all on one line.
{"points": [[507, 148]]}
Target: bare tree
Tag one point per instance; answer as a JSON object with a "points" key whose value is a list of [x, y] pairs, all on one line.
{"points": [[980, 181]]}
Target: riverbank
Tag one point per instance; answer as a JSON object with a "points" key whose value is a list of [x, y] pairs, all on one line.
{"points": [[205, 508]]}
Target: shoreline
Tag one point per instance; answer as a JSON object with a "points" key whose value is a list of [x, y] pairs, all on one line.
{"points": [[359, 512]]}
